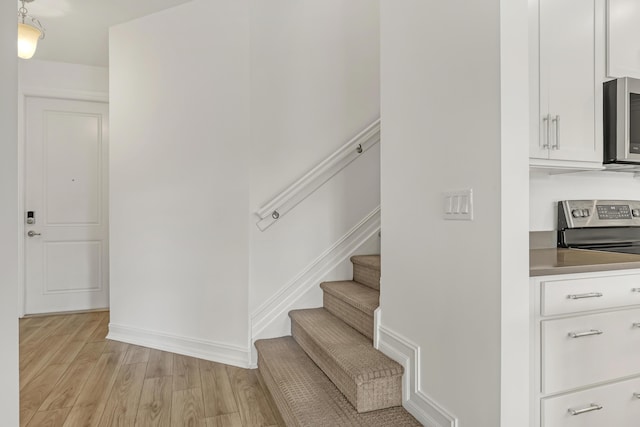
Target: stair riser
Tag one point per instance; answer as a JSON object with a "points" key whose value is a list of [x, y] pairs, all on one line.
{"points": [[280, 401], [386, 392], [367, 276], [361, 322]]}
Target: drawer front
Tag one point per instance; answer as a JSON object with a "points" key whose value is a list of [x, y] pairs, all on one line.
{"points": [[595, 293], [620, 407], [584, 350]]}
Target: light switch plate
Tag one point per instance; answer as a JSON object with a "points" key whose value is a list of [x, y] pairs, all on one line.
{"points": [[458, 205]]}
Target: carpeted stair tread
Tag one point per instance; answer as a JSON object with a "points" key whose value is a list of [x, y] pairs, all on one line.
{"points": [[370, 261], [342, 341], [359, 296], [368, 378], [307, 398], [353, 303]]}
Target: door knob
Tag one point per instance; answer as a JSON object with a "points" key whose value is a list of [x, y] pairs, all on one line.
{"points": [[32, 233]]}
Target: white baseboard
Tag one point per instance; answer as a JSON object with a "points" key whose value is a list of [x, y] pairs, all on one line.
{"points": [[285, 300], [208, 350], [421, 406], [376, 327]]}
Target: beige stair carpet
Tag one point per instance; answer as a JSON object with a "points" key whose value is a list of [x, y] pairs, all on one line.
{"points": [[366, 270], [367, 378], [353, 303], [328, 373], [307, 398]]}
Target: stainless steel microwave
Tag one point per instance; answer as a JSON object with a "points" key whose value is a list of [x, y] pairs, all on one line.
{"points": [[622, 121]]}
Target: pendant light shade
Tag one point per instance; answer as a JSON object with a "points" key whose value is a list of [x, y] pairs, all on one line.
{"points": [[28, 37], [28, 33]]}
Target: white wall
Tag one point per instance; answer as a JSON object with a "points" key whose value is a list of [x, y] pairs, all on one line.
{"points": [[192, 159], [444, 129], [62, 77], [515, 299], [287, 247], [546, 190], [179, 167], [314, 85], [9, 407]]}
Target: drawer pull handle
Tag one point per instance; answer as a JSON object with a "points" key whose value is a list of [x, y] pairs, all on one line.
{"points": [[592, 407], [585, 334], [589, 295], [636, 325], [635, 289], [636, 395]]}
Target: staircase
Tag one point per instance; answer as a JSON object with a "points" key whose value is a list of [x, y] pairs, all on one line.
{"points": [[328, 373]]}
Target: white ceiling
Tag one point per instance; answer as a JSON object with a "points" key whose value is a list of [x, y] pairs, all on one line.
{"points": [[77, 31]]}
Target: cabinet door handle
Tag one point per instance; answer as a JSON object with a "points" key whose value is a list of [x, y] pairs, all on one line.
{"points": [[590, 408], [636, 325], [585, 334], [547, 131], [588, 295], [636, 395], [635, 289], [556, 120]]}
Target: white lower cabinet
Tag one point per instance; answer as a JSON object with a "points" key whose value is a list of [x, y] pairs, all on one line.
{"points": [[586, 351], [566, 296], [612, 405], [583, 350]]}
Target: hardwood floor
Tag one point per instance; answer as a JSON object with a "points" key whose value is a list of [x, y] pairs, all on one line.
{"points": [[71, 376]]}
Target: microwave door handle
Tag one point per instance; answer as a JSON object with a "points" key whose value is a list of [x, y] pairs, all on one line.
{"points": [[556, 122], [547, 131]]}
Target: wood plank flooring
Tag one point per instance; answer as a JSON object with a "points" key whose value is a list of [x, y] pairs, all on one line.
{"points": [[71, 376]]}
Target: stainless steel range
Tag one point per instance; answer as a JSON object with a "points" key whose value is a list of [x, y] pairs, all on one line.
{"points": [[604, 225]]}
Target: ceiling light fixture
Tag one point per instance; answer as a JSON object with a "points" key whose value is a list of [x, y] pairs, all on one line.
{"points": [[28, 33]]}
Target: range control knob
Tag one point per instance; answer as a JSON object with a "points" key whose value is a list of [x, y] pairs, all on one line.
{"points": [[585, 213], [577, 213], [635, 212]]}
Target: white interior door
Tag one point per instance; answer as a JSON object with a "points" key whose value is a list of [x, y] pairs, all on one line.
{"points": [[66, 167]]}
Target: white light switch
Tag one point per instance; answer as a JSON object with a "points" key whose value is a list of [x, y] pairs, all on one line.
{"points": [[448, 205], [458, 205]]}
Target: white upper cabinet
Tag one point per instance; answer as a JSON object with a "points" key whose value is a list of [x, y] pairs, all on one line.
{"points": [[623, 38], [567, 70]]}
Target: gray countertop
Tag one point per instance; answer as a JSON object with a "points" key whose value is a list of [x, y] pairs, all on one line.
{"points": [[546, 262]]}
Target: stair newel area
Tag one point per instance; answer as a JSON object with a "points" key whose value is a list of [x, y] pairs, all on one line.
{"points": [[327, 372]]}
